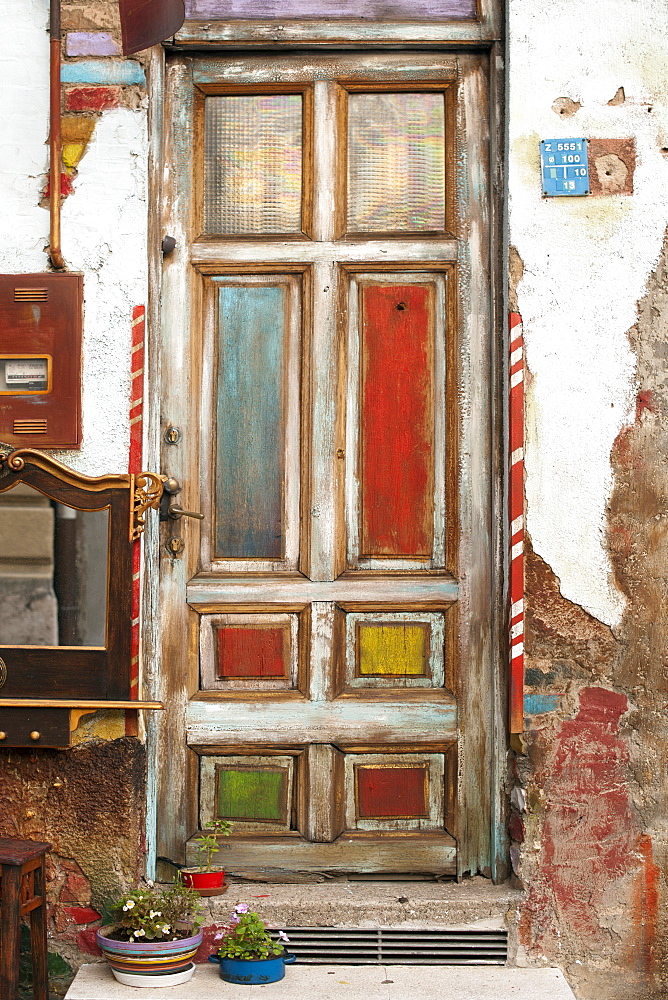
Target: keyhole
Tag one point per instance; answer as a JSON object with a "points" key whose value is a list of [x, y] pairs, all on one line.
{"points": [[401, 306]]}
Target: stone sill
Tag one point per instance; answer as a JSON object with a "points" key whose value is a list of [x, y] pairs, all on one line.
{"points": [[343, 982]]}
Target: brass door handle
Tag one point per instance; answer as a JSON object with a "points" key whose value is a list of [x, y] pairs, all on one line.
{"points": [[175, 512]]}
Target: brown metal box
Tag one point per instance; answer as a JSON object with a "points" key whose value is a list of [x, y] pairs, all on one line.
{"points": [[41, 320]]}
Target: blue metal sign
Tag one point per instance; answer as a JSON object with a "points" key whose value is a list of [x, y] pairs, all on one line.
{"points": [[565, 169]]}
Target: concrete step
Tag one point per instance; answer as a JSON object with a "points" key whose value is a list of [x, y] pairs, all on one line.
{"points": [[342, 982], [372, 903]]}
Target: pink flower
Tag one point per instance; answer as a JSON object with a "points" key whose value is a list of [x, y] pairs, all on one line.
{"points": [[241, 908], [284, 937]]}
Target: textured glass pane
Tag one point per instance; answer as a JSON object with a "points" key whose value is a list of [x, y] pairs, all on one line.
{"points": [[396, 162], [253, 164]]}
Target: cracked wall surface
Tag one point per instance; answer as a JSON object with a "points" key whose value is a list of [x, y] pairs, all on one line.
{"points": [[589, 832], [589, 277]]}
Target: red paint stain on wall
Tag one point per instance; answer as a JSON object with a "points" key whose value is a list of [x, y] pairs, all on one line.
{"points": [[645, 908], [589, 833], [82, 914], [66, 187], [644, 401], [87, 942]]}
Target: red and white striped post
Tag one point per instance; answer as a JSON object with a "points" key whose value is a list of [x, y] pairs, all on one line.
{"points": [[516, 517], [134, 465]]}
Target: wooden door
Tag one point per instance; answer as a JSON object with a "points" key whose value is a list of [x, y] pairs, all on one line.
{"points": [[326, 630]]}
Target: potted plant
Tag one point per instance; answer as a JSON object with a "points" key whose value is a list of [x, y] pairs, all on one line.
{"points": [[155, 937], [248, 955], [204, 875]]}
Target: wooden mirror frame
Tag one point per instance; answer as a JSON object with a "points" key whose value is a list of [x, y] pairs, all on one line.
{"points": [[76, 674]]}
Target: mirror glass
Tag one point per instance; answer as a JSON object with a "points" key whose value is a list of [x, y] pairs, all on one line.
{"points": [[53, 571]]}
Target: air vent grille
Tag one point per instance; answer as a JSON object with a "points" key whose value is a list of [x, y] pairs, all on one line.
{"points": [[31, 295], [396, 946], [30, 427]]}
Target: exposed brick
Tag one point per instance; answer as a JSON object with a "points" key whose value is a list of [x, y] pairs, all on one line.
{"points": [[65, 186], [92, 98], [76, 128]]}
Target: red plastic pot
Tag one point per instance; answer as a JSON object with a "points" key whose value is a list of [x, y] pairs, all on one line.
{"points": [[194, 879]]}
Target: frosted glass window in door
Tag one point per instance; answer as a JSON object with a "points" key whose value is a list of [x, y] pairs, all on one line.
{"points": [[253, 164], [396, 162]]}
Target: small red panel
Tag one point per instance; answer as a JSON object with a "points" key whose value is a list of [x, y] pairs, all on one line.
{"points": [[41, 317], [397, 420], [392, 792], [252, 652]]}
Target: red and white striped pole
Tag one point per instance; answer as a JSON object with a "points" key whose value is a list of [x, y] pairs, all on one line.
{"points": [[516, 516], [135, 465]]}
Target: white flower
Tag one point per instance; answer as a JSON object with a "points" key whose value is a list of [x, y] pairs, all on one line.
{"points": [[154, 913], [140, 933], [166, 928], [125, 907], [130, 903]]}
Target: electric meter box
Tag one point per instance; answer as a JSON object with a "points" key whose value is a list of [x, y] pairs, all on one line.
{"points": [[41, 320]]}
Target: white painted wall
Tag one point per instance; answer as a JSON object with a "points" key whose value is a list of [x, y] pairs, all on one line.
{"points": [[24, 86], [586, 260], [103, 225]]}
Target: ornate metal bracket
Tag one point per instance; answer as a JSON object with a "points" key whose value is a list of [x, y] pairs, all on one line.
{"points": [[146, 491]]}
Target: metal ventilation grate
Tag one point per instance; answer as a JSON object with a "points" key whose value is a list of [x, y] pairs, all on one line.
{"points": [[31, 295], [396, 946], [30, 426]]}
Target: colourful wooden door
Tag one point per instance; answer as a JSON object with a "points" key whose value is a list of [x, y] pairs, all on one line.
{"points": [[326, 630]]}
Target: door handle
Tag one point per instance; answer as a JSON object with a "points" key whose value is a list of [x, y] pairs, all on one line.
{"points": [[170, 510], [175, 512]]}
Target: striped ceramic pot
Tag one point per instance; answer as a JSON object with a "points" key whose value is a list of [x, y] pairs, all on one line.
{"points": [[147, 963]]}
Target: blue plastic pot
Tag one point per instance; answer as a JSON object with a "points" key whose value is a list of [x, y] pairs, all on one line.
{"points": [[253, 971]]}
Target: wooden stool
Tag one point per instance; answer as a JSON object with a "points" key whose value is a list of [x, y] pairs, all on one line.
{"points": [[23, 891]]}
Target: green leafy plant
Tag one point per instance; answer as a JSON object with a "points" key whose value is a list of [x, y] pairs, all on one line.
{"points": [[150, 914], [207, 844], [248, 937]]}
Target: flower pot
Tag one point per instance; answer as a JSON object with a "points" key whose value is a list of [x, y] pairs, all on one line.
{"points": [[150, 980], [148, 961], [193, 878], [253, 971]]}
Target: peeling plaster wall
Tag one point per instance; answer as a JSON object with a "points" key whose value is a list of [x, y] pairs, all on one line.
{"points": [[586, 263], [590, 279]]}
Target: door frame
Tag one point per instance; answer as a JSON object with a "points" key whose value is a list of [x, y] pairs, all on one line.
{"points": [[171, 814]]}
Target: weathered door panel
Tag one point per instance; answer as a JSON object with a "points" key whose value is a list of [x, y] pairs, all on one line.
{"points": [[326, 358]]}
